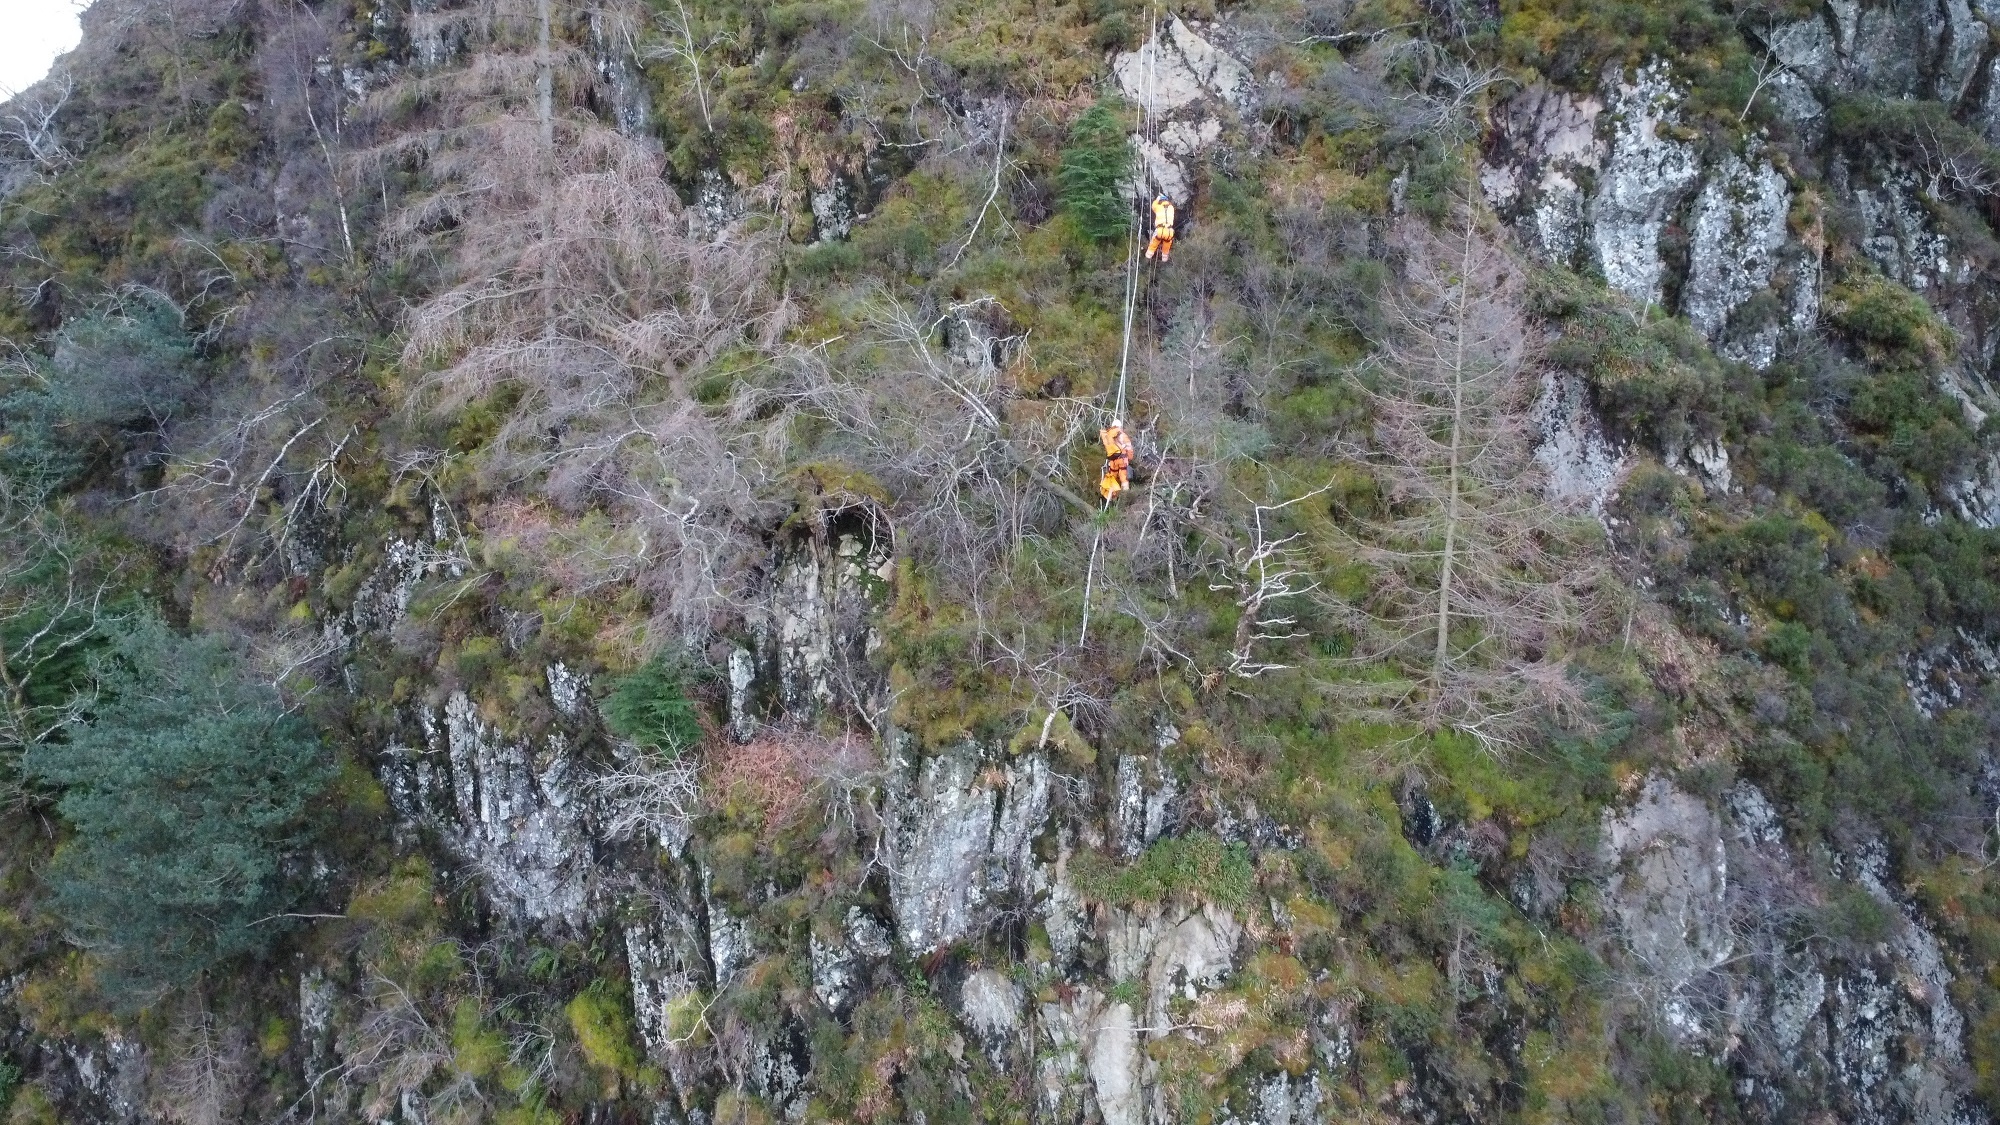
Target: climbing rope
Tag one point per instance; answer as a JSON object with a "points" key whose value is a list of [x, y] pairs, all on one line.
{"points": [[1143, 127]]}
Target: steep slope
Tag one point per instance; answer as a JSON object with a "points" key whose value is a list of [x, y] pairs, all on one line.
{"points": [[548, 568]]}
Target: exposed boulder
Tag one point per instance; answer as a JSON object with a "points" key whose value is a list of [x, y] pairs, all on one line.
{"points": [[1117, 1067], [990, 1003], [1185, 84], [1579, 462], [1667, 890]]}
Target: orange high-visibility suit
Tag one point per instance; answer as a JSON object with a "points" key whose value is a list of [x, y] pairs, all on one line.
{"points": [[1117, 461], [1163, 229]]}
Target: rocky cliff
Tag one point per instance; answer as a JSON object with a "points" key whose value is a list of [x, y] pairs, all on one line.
{"points": [[763, 347]]}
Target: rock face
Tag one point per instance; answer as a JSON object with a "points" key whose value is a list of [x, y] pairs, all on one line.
{"points": [[814, 626], [1546, 146], [1186, 85], [1868, 1035], [1580, 465], [1739, 230], [1668, 890], [959, 832], [1549, 146], [1644, 178], [511, 809]]}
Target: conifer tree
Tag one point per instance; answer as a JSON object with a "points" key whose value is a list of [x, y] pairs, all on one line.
{"points": [[1476, 583], [188, 790]]}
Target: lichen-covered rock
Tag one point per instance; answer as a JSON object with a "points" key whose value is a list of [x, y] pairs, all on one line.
{"points": [[1196, 953], [814, 624], [840, 964], [1945, 674], [1668, 890], [1182, 81], [990, 1004], [1143, 800], [1117, 1067], [1580, 464], [1645, 177], [512, 809], [1545, 147], [959, 830], [1976, 497], [1897, 230], [1068, 1027], [1738, 232], [1176, 70]]}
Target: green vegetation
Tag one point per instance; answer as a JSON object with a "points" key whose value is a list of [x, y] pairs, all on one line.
{"points": [[451, 407], [1192, 866], [188, 788], [651, 706], [1095, 167]]}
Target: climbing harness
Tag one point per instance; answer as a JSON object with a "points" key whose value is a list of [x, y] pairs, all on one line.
{"points": [[1163, 229], [1118, 453]]}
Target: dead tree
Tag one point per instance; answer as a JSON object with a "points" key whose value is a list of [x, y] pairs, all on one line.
{"points": [[31, 124], [1476, 585], [55, 593], [207, 1069], [1269, 573], [587, 295]]}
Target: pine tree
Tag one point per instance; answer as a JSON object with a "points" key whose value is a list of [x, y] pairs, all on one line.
{"points": [[1094, 170], [188, 791]]}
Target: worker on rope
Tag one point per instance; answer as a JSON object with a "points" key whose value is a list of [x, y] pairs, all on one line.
{"points": [[1163, 229], [1117, 460]]}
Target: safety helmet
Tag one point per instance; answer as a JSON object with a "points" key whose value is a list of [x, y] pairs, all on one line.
{"points": [[1118, 423], [1160, 198]]}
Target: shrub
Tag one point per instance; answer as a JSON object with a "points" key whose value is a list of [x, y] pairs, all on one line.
{"points": [[129, 364], [651, 706], [828, 259], [604, 1030], [776, 778], [1197, 864], [1094, 170], [188, 790], [1888, 321]]}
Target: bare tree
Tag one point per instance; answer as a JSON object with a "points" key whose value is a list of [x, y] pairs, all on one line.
{"points": [[1476, 587], [682, 44], [920, 402], [647, 793], [207, 1069], [55, 594], [396, 1049], [30, 123], [1268, 573], [588, 295]]}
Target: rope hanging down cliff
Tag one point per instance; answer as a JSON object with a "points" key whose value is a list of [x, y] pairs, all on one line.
{"points": [[1118, 447]]}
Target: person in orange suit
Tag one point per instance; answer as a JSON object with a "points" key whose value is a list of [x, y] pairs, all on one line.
{"points": [[1163, 229], [1117, 460]]}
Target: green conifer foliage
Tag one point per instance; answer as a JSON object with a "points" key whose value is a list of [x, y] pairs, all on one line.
{"points": [[651, 707], [1095, 164], [188, 791]]}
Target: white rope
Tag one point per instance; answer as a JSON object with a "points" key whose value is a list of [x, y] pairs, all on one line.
{"points": [[1143, 127]]}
